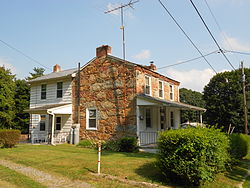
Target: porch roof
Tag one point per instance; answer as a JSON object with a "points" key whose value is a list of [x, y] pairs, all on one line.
{"points": [[145, 100], [52, 109]]}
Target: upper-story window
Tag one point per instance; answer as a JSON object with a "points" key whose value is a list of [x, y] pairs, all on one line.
{"points": [[171, 92], [147, 85], [43, 91], [59, 90], [161, 89], [91, 117]]}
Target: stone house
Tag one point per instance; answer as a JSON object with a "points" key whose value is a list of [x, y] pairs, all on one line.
{"points": [[108, 97]]}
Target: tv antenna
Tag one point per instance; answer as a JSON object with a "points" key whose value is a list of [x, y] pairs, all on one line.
{"points": [[122, 21]]}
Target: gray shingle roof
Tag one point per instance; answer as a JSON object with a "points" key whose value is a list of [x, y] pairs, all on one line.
{"points": [[54, 75]]}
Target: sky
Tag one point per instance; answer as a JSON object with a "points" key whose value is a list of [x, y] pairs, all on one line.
{"points": [[66, 32]]}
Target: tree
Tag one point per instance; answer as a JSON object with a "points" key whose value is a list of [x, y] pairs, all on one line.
{"points": [[38, 71], [7, 91], [194, 98], [224, 100], [22, 97]]}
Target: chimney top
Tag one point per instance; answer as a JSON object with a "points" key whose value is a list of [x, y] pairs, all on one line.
{"points": [[103, 50], [152, 66], [56, 68]]}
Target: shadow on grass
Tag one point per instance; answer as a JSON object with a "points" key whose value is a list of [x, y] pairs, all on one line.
{"points": [[137, 155], [239, 171]]}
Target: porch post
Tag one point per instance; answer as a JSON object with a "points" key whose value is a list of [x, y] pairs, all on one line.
{"points": [[137, 123], [200, 117], [52, 129]]}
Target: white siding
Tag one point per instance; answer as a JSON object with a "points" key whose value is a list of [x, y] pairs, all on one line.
{"points": [[35, 94]]}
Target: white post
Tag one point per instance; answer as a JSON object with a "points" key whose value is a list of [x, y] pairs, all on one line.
{"points": [[99, 157], [52, 129], [138, 123], [201, 117]]}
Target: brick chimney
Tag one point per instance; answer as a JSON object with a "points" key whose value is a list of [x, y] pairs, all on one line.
{"points": [[56, 68], [152, 66], [103, 50]]}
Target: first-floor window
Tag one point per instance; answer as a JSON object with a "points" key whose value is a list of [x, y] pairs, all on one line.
{"points": [[91, 118], [162, 117], [172, 119], [58, 123], [42, 122], [148, 117]]}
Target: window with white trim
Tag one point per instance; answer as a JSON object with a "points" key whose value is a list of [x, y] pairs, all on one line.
{"points": [[171, 92], [161, 89], [147, 85], [42, 123], [91, 119], [59, 90], [172, 119], [43, 91], [58, 123], [148, 118]]}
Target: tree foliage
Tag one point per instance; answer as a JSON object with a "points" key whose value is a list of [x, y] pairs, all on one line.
{"points": [[7, 92], [22, 97], [224, 100], [38, 71], [194, 98]]}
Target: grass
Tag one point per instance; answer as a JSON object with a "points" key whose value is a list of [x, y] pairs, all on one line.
{"points": [[10, 178], [78, 163]]}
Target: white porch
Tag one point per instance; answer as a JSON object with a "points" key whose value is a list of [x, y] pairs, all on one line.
{"points": [[155, 115], [51, 124]]}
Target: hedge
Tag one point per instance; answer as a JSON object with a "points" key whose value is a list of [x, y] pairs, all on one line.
{"points": [[239, 145], [9, 137], [193, 155]]}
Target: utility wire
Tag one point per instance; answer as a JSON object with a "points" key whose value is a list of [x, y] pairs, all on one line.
{"points": [[20, 52], [237, 52], [211, 34], [186, 35], [187, 61]]}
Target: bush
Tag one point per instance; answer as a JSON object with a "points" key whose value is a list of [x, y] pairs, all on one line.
{"points": [[87, 144], [124, 144], [9, 137], [238, 146], [193, 155]]}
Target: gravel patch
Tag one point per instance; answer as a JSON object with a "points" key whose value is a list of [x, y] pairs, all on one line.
{"points": [[51, 181]]}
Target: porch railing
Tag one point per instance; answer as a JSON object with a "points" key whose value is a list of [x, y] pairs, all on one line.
{"points": [[148, 138], [61, 137]]}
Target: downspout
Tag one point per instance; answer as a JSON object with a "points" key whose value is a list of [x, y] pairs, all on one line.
{"points": [[52, 127]]}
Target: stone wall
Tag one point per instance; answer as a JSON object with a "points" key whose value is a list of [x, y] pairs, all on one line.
{"points": [[155, 77], [107, 84]]}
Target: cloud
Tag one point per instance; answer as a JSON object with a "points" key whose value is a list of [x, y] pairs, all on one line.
{"points": [[235, 44], [144, 54], [111, 6], [6, 64], [193, 79]]}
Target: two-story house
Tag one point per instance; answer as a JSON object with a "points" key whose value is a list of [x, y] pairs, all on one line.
{"points": [[107, 98]]}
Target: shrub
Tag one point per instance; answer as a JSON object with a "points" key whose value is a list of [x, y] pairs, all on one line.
{"points": [[124, 144], [193, 155], [9, 137], [87, 144], [238, 146]]}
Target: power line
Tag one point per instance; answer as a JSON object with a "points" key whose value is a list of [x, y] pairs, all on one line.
{"points": [[237, 52], [20, 52], [211, 34], [186, 35], [187, 61]]}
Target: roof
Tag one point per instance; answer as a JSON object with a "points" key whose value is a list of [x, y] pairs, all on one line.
{"points": [[54, 75], [171, 103], [47, 108]]}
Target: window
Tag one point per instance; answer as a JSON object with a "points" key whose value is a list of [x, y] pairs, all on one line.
{"points": [[58, 123], [148, 118], [172, 119], [42, 122], [161, 89], [59, 90], [162, 117], [147, 85], [171, 92], [43, 91], [91, 115]]}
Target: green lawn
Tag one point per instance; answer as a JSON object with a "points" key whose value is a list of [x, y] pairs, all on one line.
{"points": [[78, 163], [10, 178]]}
